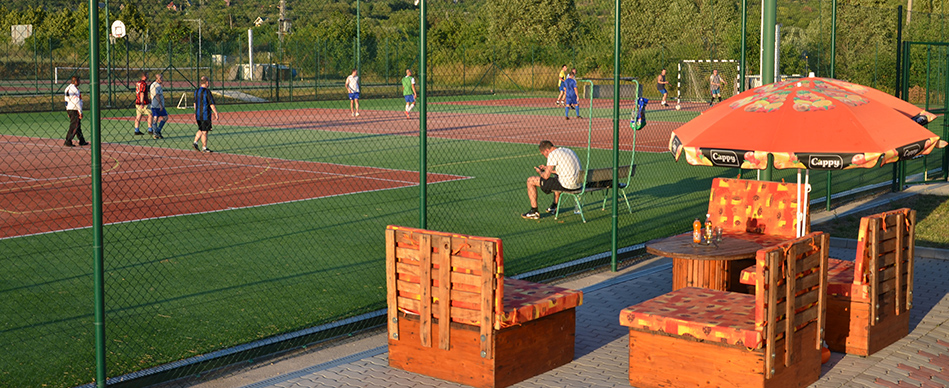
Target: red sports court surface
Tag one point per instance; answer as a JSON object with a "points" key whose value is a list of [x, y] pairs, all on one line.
{"points": [[524, 128], [46, 187]]}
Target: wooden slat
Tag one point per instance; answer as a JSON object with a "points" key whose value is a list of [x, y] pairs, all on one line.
{"points": [[458, 314], [467, 297], [790, 291], [899, 228], [874, 237], [443, 259], [425, 275], [804, 317], [392, 302], [487, 303], [772, 313], [910, 258], [822, 296], [468, 279], [409, 287], [461, 263], [406, 268], [409, 255]]}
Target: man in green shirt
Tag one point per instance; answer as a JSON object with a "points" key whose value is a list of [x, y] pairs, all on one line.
{"points": [[408, 90]]}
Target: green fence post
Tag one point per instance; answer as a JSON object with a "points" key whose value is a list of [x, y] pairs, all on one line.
{"points": [[829, 191], [833, 39], [767, 67], [52, 82], [744, 45], [97, 261], [614, 227], [945, 122], [423, 110], [899, 48]]}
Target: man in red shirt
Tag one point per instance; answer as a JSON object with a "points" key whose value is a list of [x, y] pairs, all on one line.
{"points": [[141, 104]]}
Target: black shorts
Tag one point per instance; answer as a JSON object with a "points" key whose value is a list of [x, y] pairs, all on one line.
{"points": [[551, 184], [204, 125]]}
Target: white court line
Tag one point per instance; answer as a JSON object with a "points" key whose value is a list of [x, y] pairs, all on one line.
{"points": [[461, 178], [104, 174], [218, 162], [18, 177]]}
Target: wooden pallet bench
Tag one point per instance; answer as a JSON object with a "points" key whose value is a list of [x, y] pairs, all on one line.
{"points": [[697, 337], [869, 298], [453, 315]]}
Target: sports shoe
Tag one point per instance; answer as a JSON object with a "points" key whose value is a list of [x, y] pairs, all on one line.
{"points": [[68, 144], [352, 114], [567, 117], [579, 117], [531, 215], [155, 137], [664, 103], [407, 115], [357, 114], [552, 208], [82, 143], [150, 130], [208, 150], [138, 133], [195, 144]]}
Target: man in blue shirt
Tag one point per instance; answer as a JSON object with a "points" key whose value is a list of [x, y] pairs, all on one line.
{"points": [[203, 108], [570, 86]]}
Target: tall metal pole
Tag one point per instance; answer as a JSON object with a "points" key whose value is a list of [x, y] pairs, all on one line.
{"points": [[617, 44], [358, 41], [899, 53], [769, 14], [98, 273], [422, 111], [833, 39], [108, 54], [744, 45]]}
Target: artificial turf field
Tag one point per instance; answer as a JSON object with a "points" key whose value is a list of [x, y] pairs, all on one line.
{"points": [[194, 281]]}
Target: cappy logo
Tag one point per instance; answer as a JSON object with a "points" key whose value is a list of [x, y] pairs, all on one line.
{"points": [[825, 162], [911, 151], [724, 158], [675, 144]]}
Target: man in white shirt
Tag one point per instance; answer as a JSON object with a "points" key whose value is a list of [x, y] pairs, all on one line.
{"points": [[157, 95], [74, 111], [561, 173], [352, 87]]}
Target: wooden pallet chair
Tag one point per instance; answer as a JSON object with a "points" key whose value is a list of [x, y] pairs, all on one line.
{"points": [[697, 337], [869, 309], [452, 314], [760, 211]]}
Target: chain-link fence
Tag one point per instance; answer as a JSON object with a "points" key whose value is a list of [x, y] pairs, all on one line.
{"points": [[273, 241]]}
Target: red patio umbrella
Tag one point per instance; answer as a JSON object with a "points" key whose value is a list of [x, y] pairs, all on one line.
{"points": [[810, 123], [813, 123]]}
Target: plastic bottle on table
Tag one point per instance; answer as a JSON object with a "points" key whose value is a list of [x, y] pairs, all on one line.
{"points": [[708, 228], [697, 231]]}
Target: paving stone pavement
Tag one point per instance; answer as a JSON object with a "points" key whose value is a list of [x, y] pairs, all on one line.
{"points": [[921, 359]]}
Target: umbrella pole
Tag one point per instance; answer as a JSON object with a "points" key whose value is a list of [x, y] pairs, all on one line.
{"points": [[805, 219], [798, 209]]}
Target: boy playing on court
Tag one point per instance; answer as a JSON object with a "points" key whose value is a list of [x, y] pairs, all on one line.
{"points": [[203, 108], [715, 82], [352, 87], [563, 77], [661, 85], [408, 91], [141, 104], [159, 114], [570, 98]]}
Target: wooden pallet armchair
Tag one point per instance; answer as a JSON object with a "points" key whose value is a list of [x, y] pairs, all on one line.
{"points": [[867, 309], [697, 337], [452, 314]]}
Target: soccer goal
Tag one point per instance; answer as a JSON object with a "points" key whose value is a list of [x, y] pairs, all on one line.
{"points": [[693, 79], [183, 101]]}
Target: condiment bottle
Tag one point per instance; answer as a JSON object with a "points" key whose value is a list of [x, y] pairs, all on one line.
{"points": [[697, 231], [708, 228]]}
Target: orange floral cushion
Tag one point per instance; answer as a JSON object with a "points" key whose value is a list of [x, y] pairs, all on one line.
{"points": [[709, 315], [524, 301], [754, 206], [839, 276]]}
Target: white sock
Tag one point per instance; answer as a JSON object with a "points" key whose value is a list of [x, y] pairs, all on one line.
{"points": [[411, 106]]}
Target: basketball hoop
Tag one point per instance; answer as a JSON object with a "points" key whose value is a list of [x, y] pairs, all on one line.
{"points": [[118, 29]]}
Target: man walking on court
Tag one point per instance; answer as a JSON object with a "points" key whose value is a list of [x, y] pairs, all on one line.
{"points": [[203, 108], [715, 83], [408, 91], [159, 114], [570, 87], [562, 172], [74, 111], [141, 104], [352, 87], [661, 85]]}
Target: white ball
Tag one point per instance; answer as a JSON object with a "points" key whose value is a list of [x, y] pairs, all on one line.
{"points": [[678, 107]]}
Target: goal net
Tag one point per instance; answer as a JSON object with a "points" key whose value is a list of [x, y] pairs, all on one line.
{"points": [[693, 80]]}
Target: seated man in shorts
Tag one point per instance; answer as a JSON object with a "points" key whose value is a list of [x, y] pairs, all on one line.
{"points": [[562, 172]]}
